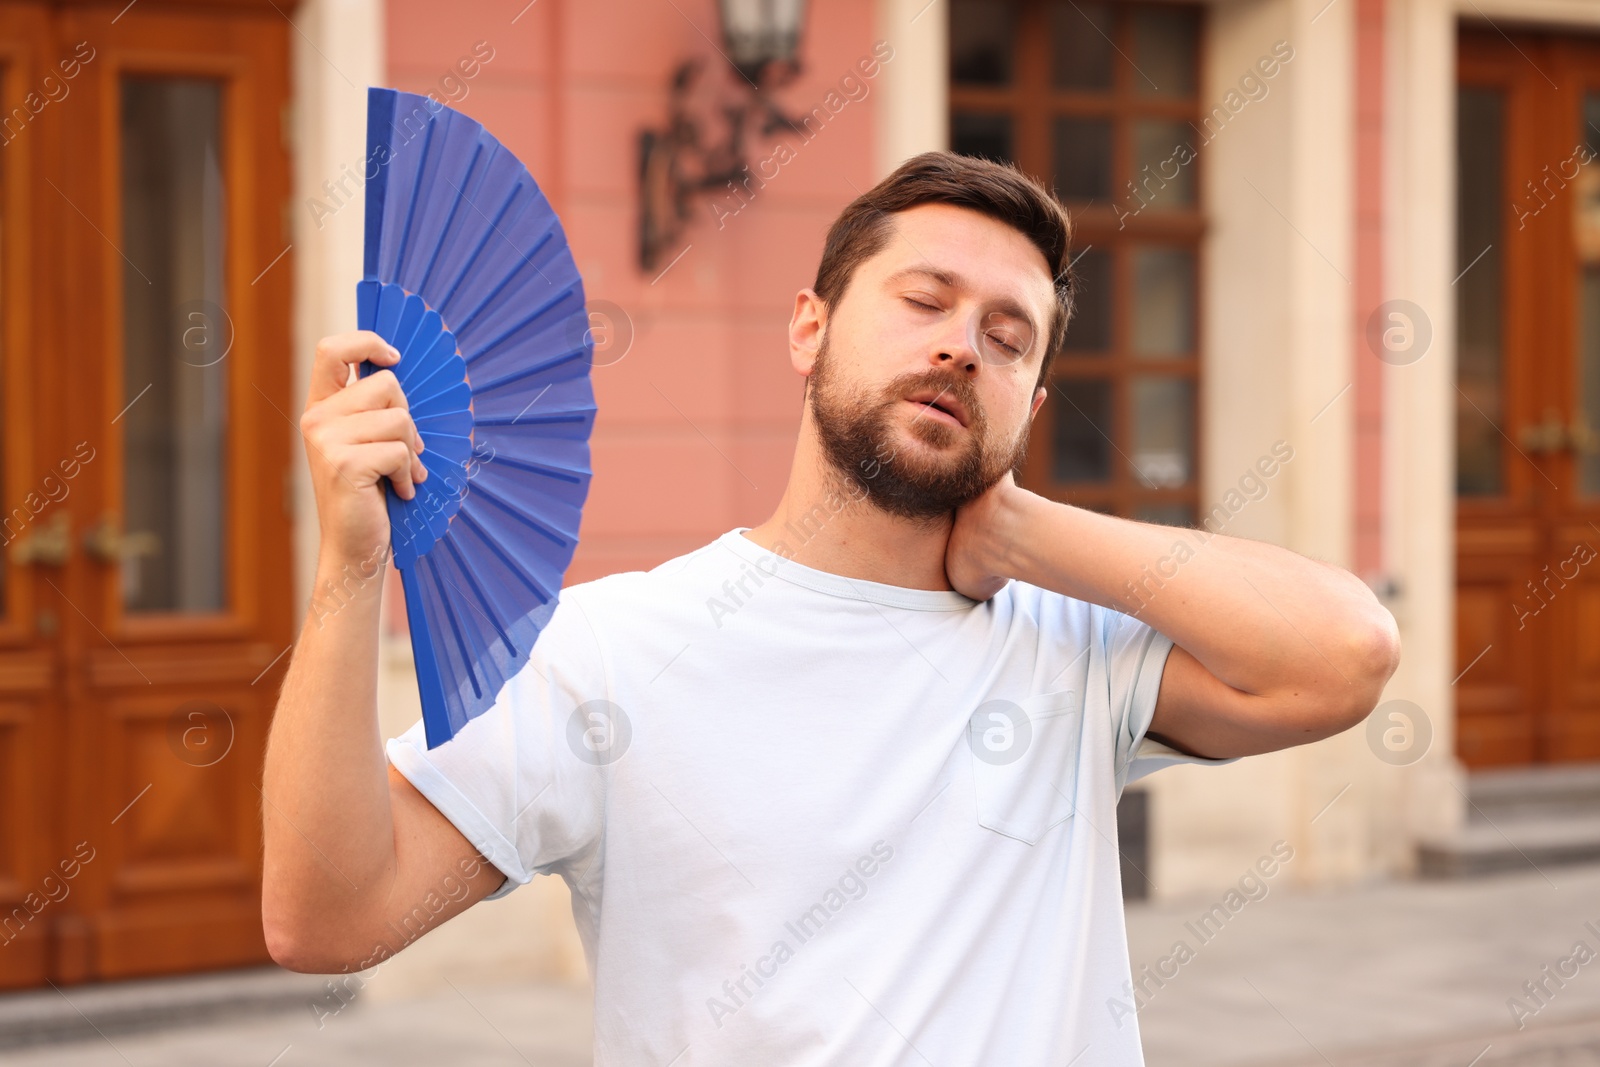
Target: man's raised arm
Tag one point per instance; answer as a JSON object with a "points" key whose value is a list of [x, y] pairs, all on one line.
{"points": [[350, 847], [1273, 649]]}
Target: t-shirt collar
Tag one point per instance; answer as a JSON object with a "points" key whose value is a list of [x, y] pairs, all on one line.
{"points": [[839, 585]]}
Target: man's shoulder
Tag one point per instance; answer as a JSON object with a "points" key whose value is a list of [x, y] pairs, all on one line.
{"points": [[624, 619], [630, 593], [1039, 602], [1059, 616]]}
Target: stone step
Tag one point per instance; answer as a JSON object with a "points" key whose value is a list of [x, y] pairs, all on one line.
{"points": [[1553, 789], [92, 1010], [1513, 843]]}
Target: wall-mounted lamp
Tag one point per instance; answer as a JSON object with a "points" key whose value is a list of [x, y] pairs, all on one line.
{"points": [[761, 38]]}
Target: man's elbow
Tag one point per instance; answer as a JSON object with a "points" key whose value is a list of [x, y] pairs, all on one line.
{"points": [[1372, 656], [290, 951], [287, 954], [295, 947]]}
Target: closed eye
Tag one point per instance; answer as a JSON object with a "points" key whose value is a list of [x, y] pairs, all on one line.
{"points": [[921, 304], [1006, 341]]}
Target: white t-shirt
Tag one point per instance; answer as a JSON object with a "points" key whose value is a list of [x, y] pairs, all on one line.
{"points": [[809, 819]]}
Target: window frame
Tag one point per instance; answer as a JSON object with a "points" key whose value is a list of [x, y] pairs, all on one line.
{"points": [[1032, 103]]}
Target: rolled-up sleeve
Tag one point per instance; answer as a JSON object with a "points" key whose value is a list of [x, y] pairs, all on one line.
{"points": [[511, 780], [1136, 658]]}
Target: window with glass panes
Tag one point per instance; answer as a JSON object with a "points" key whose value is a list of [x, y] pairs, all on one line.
{"points": [[1100, 101]]}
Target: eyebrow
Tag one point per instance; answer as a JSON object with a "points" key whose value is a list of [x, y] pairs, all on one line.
{"points": [[1007, 305]]}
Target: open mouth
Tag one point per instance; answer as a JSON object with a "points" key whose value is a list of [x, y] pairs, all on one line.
{"points": [[941, 408]]}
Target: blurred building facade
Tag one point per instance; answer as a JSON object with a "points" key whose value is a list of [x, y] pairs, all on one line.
{"points": [[1277, 283], [1338, 294]]}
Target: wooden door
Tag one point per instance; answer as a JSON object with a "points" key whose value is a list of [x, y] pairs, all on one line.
{"points": [[1528, 399], [145, 603]]}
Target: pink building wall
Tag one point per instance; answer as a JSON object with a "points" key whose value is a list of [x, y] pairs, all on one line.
{"points": [[1367, 555], [696, 423]]}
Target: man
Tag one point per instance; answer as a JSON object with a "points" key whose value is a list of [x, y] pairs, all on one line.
{"points": [[839, 788]]}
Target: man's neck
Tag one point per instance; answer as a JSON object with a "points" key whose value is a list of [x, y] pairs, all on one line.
{"points": [[825, 522]]}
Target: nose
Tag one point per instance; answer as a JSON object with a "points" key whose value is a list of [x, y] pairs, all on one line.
{"points": [[954, 350]]}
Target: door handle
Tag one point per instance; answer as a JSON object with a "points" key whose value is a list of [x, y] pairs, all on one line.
{"points": [[1581, 437], [48, 545], [107, 542], [1548, 435]]}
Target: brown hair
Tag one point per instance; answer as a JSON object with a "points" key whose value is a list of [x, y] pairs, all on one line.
{"points": [[998, 190]]}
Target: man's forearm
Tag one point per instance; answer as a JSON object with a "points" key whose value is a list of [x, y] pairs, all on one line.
{"points": [[328, 831], [1260, 618]]}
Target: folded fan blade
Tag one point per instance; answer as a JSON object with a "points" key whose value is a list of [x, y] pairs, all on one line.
{"points": [[468, 274]]}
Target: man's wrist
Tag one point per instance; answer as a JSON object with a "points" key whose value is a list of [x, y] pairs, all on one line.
{"points": [[1016, 531], [335, 560], [1032, 533], [347, 578]]}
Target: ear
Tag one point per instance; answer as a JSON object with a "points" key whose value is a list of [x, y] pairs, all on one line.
{"points": [[1038, 398], [806, 327]]}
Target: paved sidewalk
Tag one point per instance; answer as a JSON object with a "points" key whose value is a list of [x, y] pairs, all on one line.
{"points": [[507, 1025], [1396, 975], [1407, 974]]}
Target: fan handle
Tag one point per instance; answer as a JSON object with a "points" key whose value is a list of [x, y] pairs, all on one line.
{"points": [[435, 717]]}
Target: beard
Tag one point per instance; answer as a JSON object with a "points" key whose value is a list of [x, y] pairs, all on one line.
{"points": [[857, 433]]}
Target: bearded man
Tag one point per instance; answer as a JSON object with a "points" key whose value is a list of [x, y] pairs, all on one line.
{"points": [[841, 787]]}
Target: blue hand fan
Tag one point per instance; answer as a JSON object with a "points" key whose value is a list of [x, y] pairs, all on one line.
{"points": [[469, 276]]}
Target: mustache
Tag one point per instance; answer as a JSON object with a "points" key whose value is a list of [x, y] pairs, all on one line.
{"points": [[945, 384]]}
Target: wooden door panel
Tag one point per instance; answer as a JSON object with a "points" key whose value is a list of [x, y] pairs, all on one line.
{"points": [[1573, 716], [1572, 725], [174, 799], [174, 664], [24, 895], [31, 667], [21, 787], [1496, 537], [182, 830], [1519, 586], [143, 940], [187, 842], [103, 765], [1496, 653]]}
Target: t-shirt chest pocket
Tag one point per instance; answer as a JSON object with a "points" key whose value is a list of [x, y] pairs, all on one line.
{"points": [[1025, 762]]}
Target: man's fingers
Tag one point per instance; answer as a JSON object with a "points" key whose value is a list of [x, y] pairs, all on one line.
{"points": [[391, 459], [376, 392], [382, 424], [337, 353], [363, 428], [369, 444]]}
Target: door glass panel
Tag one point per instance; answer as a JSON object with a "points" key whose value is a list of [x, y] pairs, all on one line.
{"points": [[1082, 422], [981, 36], [1586, 436], [1163, 432], [1163, 302], [1083, 158], [1480, 145], [1588, 377], [1164, 50], [1089, 331], [976, 134], [1080, 45], [176, 333], [1163, 170]]}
